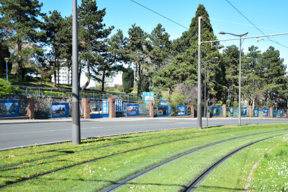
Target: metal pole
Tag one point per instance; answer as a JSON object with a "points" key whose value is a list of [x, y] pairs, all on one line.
{"points": [[199, 110], [76, 137], [228, 98], [7, 71], [239, 110], [205, 101], [207, 111]]}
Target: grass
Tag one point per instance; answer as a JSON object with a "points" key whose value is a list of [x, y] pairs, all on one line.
{"points": [[85, 168], [177, 174], [232, 175]]}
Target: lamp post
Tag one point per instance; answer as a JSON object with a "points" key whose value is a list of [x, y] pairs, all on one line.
{"points": [[239, 110], [205, 89], [6, 59], [76, 137]]}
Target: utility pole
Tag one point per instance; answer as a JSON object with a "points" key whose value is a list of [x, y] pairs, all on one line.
{"points": [[199, 109], [76, 136], [239, 110]]}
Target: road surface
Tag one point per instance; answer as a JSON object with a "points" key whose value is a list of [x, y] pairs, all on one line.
{"points": [[18, 133]]}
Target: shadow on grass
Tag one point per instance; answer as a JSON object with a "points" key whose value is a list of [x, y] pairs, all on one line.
{"points": [[217, 188]]}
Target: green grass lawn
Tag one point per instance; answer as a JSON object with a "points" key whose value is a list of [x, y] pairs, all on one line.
{"points": [[86, 169]]}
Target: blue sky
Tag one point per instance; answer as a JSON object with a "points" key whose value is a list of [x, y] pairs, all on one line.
{"points": [[269, 16]]}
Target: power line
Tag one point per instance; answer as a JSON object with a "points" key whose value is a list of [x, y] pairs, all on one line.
{"points": [[254, 25], [245, 24], [159, 14]]}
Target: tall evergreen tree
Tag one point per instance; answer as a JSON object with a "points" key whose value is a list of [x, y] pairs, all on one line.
{"points": [[231, 59], [112, 58], [128, 80], [22, 18], [183, 68], [145, 84], [58, 33], [252, 70], [91, 35], [139, 50], [274, 75], [161, 53]]}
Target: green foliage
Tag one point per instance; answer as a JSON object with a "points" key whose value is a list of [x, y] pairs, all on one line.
{"points": [[128, 80], [177, 98], [92, 35], [145, 84], [23, 18], [6, 88], [235, 104], [157, 96]]}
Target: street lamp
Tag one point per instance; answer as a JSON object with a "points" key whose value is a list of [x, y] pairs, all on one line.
{"points": [[76, 135], [239, 110], [6, 59], [205, 100]]}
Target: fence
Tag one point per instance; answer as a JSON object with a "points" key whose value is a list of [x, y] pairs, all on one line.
{"points": [[54, 92]]}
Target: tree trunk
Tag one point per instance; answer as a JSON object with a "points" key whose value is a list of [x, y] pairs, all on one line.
{"points": [[139, 80], [20, 71], [79, 75], [103, 81], [89, 76], [54, 78]]}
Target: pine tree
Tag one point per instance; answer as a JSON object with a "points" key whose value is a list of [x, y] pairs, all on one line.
{"points": [[231, 60], [21, 18], [252, 86], [139, 50], [112, 57], [58, 33], [183, 68], [128, 80], [274, 76], [161, 53], [91, 35], [145, 84]]}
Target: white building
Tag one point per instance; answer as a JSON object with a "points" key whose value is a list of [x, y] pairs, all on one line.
{"points": [[64, 76]]}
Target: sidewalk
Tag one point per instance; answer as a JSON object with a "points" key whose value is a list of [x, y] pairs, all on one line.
{"points": [[21, 121]]}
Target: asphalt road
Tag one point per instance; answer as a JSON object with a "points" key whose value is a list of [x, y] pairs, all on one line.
{"points": [[23, 134]]}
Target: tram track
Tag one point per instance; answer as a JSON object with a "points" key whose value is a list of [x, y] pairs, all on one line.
{"points": [[123, 182], [193, 185], [123, 152], [90, 149]]}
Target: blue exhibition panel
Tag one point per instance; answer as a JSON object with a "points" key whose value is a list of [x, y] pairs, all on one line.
{"points": [[148, 96], [182, 110], [101, 109], [9, 108], [265, 112], [274, 113], [59, 110], [132, 110], [244, 111], [256, 113], [216, 111], [163, 111]]}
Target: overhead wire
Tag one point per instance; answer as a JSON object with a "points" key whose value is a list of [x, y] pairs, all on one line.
{"points": [[255, 25], [159, 14], [246, 24]]}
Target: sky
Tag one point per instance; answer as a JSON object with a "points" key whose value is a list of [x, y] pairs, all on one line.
{"points": [[269, 16]]}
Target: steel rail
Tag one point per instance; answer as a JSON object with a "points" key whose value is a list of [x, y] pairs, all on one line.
{"points": [[95, 148], [104, 157], [205, 173], [177, 157]]}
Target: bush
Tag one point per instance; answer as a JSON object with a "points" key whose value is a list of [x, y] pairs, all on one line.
{"points": [[6, 88]]}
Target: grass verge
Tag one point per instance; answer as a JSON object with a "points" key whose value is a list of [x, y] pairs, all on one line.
{"points": [[233, 174], [102, 173]]}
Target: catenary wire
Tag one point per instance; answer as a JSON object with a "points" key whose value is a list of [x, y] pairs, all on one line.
{"points": [[255, 25], [159, 14]]}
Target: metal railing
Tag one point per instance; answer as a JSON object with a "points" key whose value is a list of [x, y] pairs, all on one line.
{"points": [[55, 92]]}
